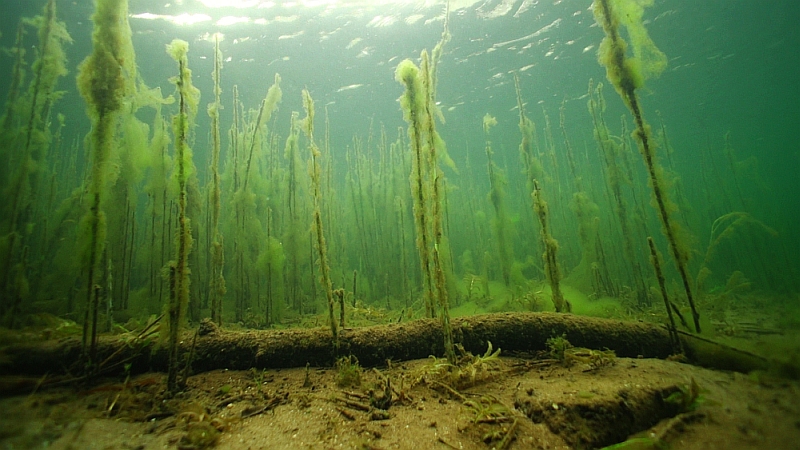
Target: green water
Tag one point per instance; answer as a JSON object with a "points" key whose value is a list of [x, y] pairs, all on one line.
{"points": [[721, 115]]}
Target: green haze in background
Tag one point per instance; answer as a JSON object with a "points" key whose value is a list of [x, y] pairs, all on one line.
{"points": [[724, 117]]}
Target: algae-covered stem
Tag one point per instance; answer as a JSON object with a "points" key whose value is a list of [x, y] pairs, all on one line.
{"points": [[49, 21], [291, 239], [497, 198], [217, 281], [22, 166], [17, 73], [611, 156], [628, 74], [179, 296], [408, 74], [551, 270], [656, 262], [268, 106], [418, 111], [437, 175], [576, 179], [102, 85], [308, 129]]}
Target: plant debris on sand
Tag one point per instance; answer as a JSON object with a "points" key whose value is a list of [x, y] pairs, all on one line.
{"points": [[522, 401]]}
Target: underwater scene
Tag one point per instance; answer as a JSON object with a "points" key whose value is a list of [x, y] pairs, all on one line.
{"points": [[469, 224]]}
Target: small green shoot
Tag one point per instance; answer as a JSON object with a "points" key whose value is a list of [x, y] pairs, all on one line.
{"points": [[488, 409], [558, 347], [349, 372], [688, 397]]}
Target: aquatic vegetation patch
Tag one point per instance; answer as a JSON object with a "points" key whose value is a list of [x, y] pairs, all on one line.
{"points": [[349, 372], [560, 349], [469, 370]]}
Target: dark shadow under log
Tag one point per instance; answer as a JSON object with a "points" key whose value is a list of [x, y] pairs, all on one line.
{"points": [[374, 345]]}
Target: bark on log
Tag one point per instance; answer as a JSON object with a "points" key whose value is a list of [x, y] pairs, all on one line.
{"points": [[374, 345]]}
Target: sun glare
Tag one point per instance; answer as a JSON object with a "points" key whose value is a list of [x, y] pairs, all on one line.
{"points": [[241, 4]]}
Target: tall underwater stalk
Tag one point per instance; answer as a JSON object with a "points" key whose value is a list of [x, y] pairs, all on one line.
{"points": [[23, 147], [217, 280], [322, 248], [627, 75], [551, 269], [102, 84], [611, 155], [189, 97], [497, 194], [427, 147], [268, 106], [47, 69], [435, 145], [291, 237], [413, 106], [17, 75]]}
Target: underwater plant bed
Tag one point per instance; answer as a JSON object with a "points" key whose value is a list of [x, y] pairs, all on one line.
{"points": [[549, 406]]}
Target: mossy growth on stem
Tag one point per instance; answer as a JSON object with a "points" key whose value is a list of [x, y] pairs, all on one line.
{"points": [[316, 176], [217, 280], [551, 269], [497, 195], [18, 73], [655, 261], [527, 151], [101, 82], [268, 106], [189, 97], [412, 102], [25, 138], [436, 147], [427, 147], [627, 74]]}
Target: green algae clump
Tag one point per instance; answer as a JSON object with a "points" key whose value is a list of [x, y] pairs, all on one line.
{"points": [[102, 84]]}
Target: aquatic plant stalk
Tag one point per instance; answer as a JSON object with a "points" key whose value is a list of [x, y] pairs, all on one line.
{"points": [[412, 103], [497, 183], [611, 156], [435, 144], [28, 157], [419, 109], [627, 75], [322, 248], [655, 260], [268, 106], [551, 269], [101, 83], [17, 74], [217, 279], [291, 236], [179, 295]]}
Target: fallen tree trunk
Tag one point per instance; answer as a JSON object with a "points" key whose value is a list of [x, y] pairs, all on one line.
{"points": [[374, 345]]}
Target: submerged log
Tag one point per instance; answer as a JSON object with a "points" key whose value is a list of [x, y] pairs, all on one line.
{"points": [[373, 346]]}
